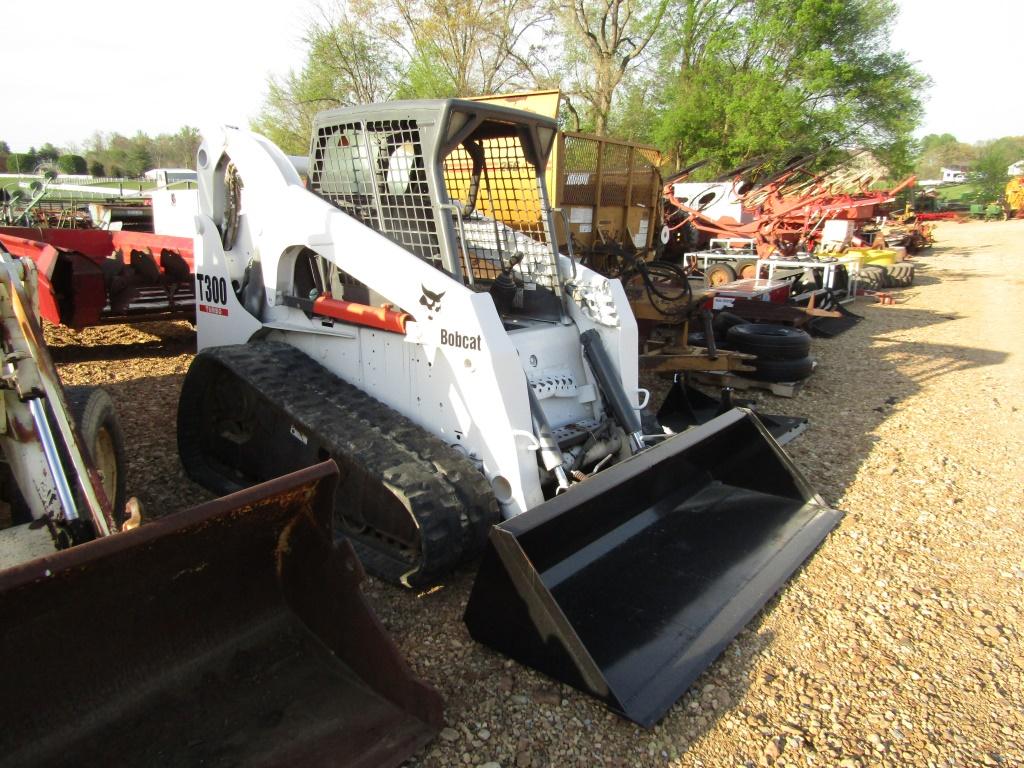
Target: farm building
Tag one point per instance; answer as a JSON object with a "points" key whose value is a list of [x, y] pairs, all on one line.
{"points": [[955, 174], [165, 176]]}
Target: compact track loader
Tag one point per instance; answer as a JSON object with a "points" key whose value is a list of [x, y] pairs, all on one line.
{"points": [[410, 316], [232, 633]]}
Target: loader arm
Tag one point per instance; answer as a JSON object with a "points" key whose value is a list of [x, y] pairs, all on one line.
{"points": [[31, 390]]}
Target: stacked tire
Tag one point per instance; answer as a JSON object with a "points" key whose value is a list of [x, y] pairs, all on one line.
{"points": [[875, 277], [783, 353], [901, 275]]}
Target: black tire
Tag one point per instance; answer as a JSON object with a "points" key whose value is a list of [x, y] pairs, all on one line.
{"points": [[770, 342], [103, 442], [719, 274], [697, 339], [902, 274], [895, 276], [872, 277], [723, 321], [782, 370]]}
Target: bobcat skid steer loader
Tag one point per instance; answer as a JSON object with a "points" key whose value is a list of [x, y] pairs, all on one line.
{"points": [[410, 316], [233, 633]]}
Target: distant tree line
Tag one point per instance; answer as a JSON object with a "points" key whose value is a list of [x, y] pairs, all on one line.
{"points": [[108, 154], [718, 80]]}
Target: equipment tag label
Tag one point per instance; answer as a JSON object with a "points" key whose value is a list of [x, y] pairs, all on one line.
{"points": [[462, 341], [222, 311]]}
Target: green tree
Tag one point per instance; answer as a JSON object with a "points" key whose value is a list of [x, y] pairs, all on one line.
{"points": [[182, 146], [49, 152], [22, 162], [605, 39], [899, 156], [373, 51], [345, 65], [989, 174], [72, 164], [96, 168], [474, 46], [138, 159], [938, 140], [940, 151], [4, 148], [780, 77]]}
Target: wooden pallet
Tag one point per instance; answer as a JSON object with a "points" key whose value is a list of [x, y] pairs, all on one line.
{"points": [[779, 388]]}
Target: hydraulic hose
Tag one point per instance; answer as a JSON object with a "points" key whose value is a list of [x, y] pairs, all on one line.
{"points": [[611, 388]]}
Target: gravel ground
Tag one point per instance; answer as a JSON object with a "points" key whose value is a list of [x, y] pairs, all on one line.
{"points": [[899, 643]]}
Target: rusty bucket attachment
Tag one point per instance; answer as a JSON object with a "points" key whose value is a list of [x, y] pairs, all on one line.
{"points": [[631, 583], [232, 633], [686, 406]]}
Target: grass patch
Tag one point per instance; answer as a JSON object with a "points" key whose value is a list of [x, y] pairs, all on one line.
{"points": [[957, 193]]}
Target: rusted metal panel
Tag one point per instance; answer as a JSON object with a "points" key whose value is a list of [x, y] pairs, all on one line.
{"points": [[694, 359]]}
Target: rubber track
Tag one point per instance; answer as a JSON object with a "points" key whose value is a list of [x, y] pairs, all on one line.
{"points": [[479, 507], [449, 498]]}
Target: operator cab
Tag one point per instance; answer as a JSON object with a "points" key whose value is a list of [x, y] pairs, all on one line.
{"points": [[458, 183]]}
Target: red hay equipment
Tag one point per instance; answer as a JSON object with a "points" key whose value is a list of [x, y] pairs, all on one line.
{"points": [[94, 277], [788, 209]]}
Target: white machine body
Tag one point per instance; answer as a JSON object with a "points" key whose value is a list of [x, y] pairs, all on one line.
{"points": [[460, 369]]}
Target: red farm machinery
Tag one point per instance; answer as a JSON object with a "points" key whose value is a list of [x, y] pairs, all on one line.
{"points": [[94, 277], [782, 214]]}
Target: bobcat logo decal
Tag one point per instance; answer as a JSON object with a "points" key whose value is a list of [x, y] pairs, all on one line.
{"points": [[431, 300]]}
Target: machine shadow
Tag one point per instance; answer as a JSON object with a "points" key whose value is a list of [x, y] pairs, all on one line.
{"points": [[830, 456], [467, 673], [833, 455], [120, 342]]}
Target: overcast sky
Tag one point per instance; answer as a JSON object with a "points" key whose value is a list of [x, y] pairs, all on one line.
{"points": [[112, 65]]}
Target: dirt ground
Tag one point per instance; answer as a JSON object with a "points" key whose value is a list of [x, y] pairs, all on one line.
{"points": [[899, 642]]}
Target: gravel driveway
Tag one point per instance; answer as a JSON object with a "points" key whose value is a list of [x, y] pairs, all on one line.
{"points": [[899, 643]]}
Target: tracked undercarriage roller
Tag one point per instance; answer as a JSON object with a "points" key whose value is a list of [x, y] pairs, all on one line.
{"points": [[412, 507]]}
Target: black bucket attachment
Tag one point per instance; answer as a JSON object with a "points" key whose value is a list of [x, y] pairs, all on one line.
{"points": [[686, 406], [628, 585], [229, 634]]}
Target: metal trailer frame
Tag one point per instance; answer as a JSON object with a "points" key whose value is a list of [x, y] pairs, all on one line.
{"points": [[773, 263]]}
